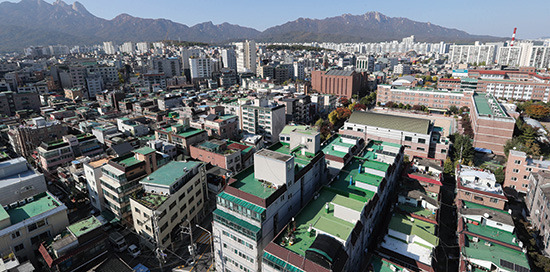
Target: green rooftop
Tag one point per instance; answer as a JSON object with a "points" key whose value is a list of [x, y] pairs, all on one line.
{"points": [[422, 229], [152, 201], [247, 183], [144, 150], [472, 205], [484, 107], [84, 226], [3, 214], [352, 171], [417, 210], [493, 253], [377, 146], [170, 173], [382, 265], [494, 233], [299, 159], [42, 203], [190, 132], [336, 141], [395, 122], [130, 161], [316, 215]]}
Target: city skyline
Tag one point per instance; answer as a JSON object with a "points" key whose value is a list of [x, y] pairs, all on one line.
{"points": [[477, 21]]}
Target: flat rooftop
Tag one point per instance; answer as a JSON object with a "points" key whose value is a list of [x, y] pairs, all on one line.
{"points": [[335, 143], [99, 163], [487, 105], [84, 226], [170, 173], [247, 183], [494, 253], [316, 215], [274, 154], [299, 159], [389, 121], [42, 203]]}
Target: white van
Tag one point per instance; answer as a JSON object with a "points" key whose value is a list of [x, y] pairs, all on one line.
{"points": [[118, 242]]}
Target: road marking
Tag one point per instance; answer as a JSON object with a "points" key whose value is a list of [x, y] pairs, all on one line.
{"points": [[200, 257], [210, 266], [204, 238]]}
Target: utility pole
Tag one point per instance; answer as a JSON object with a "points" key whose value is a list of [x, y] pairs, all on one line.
{"points": [[158, 250], [189, 230], [211, 243]]}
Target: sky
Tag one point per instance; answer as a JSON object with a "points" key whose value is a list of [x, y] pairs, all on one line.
{"points": [[483, 17]]}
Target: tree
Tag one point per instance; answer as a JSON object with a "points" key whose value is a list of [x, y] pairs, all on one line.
{"points": [[467, 126], [499, 175], [344, 101], [359, 106], [537, 111], [463, 149], [333, 117], [390, 104], [417, 107], [320, 123], [453, 109], [352, 106], [448, 167]]}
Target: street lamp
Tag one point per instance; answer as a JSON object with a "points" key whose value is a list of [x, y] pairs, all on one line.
{"points": [[211, 243]]}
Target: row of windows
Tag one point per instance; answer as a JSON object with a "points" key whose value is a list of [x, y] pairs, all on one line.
{"points": [[237, 239], [236, 264], [240, 209], [237, 252]]}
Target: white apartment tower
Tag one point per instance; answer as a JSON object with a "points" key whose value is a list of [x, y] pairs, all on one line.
{"points": [[200, 67], [229, 59], [109, 48], [246, 57]]}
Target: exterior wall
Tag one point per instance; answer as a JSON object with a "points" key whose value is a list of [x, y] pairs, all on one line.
{"points": [[33, 182], [25, 139], [185, 204], [491, 133], [220, 160], [338, 85], [482, 199], [427, 97], [538, 204], [93, 182], [518, 168], [56, 220], [51, 159]]}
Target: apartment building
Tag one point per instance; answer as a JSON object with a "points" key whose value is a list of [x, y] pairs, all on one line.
{"points": [[492, 126], [298, 109], [487, 240], [537, 202], [120, 179], [432, 98], [93, 173], [518, 168], [11, 103], [182, 136], [479, 187], [339, 150], [418, 136], [246, 56], [24, 224], [172, 195], [477, 53], [221, 126], [259, 201], [132, 126], [26, 137], [339, 82], [263, 119], [334, 230]]}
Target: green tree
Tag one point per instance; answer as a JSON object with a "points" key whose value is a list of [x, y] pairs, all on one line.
{"points": [[320, 123], [537, 111], [453, 109], [448, 167], [333, 117], [463, 149]]}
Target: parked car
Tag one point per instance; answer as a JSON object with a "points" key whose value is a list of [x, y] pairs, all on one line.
{"points": [[134, 250]]}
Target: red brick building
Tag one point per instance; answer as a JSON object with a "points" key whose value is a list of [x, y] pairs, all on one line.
{"points": [[339, 82]]}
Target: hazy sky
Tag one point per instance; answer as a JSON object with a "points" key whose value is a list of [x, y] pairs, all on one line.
{"points": [[491, 17]]}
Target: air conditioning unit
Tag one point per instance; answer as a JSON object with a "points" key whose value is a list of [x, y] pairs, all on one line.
{"points": [[475, 239]]}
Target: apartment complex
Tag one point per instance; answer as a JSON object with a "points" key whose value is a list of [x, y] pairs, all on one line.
{"points": [[492, 126], [333, 231], [418, 136], [170, 196], [339, 82], [25, 138], [259, 201], [298, 109], [263, 119], [479, 187], [470, 54]]}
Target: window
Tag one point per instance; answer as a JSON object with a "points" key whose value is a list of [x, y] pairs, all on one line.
{"points": [[137, 210], [525, 177], [408, 138], [494, 200], [478, 198], [466, 193], [19, 247], [15, 234], [525, 185], [443, 151], [420, 149], [513, 178], [517, 161], [421, 141]]}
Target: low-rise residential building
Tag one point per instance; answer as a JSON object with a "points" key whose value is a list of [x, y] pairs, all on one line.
{"points": [[433, 99], [537, 202], [131, 126], [479, 186], [428, 173], [298, 109], [19, 181], [79, 245], [225, 154], [518, 167], [333, 231], [487, 240], [92, 173], [26, 223], [339, 150], [182, 136], [218, 126], [172, 195], [59, 153], [419, 136]]}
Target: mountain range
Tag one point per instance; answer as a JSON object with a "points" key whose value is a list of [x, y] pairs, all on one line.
{"points": [[36, 22]]}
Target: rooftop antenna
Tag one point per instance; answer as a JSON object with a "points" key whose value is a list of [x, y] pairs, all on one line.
{"points": [[513, 37]]}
